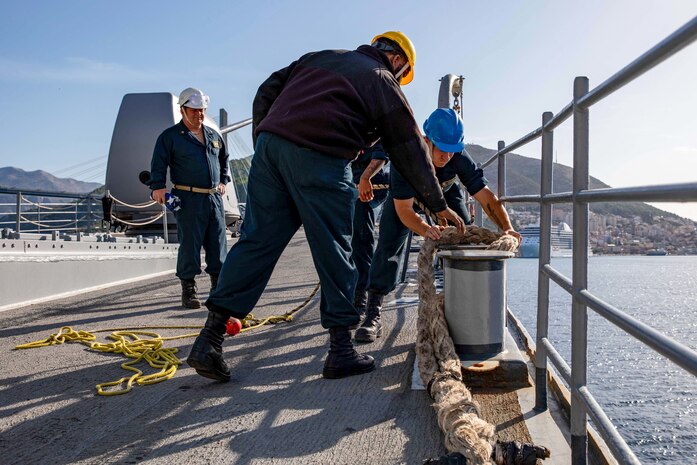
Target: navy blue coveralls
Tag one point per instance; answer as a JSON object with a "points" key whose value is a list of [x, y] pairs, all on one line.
{"points": [[363, 241], [384, 272], [311, 119], [201, 219]]}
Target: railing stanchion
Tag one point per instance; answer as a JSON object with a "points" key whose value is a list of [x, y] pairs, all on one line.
{"points": [[546, 175], [164, 224], [502, 170], [222, 123], [579, 311], [478, 213], [18, 219], [88, 228], [405, 259]]}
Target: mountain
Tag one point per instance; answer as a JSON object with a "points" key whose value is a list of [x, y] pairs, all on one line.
{"points": [[523, 178], [15, 178]]}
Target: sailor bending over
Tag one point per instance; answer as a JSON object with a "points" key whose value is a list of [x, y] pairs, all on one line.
{"points": [[310, 120]]}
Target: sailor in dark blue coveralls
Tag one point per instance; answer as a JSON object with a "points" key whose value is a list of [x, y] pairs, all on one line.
{"points": [[198, 168], [445, 138], [310, 120], [368, 169]]}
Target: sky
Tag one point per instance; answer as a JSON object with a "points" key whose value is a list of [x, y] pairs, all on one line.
{"points": [[65, 66]]}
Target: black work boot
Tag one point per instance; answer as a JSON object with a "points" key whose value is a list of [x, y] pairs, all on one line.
{"points": [[189, 299], [343, 360], [206, 355], [518, 453], [371, 328], [360, 300], [214, 281]]}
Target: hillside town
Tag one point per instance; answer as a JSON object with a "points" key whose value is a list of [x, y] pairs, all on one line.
{"points": [[618, 235]]}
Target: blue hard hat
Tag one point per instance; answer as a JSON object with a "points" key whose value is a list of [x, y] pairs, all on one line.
{"points": [[444, 129]]}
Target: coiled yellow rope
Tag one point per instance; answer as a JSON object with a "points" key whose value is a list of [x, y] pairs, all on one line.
{"points": [[137, 344]]}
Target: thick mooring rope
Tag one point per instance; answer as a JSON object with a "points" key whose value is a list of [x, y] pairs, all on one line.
{"points": [[458, 414]]}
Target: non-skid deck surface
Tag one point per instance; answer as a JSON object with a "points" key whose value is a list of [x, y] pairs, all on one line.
{"points": [[502, 409], [276, 410]]}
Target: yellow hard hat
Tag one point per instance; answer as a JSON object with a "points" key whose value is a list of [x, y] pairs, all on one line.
{"points": [[407, 47]]}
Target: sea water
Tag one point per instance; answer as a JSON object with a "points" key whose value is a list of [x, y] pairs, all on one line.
{"points": [[651, 401]]}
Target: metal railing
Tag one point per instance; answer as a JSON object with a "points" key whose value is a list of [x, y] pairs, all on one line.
{"points": [[30, 213], [225, 128], [583, 404]]}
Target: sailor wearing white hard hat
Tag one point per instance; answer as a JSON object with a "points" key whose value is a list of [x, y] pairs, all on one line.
{"points": [[193, 98], [198, 164]]}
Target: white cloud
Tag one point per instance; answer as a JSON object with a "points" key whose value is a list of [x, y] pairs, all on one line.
{"points": [[685, 149], [77, 69]]}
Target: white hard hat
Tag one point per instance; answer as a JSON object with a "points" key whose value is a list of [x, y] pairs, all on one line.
{"points": [[193, 98]]}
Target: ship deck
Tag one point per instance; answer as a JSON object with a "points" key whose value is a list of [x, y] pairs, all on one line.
{"points": [[276, 409]]}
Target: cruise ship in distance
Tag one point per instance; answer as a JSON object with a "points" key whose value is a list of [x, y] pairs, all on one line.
{"points": [[562, 241]]}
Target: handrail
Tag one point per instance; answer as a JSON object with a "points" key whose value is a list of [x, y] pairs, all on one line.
{"points": [[68, 205], [561, 280], [582, 402], [517, 144], [679, 192], [616, 443], [60, 216], [557, 360], [235, 126], [660, 52], [46, 194], [532, 198], [560, 117], [674, 351], [683, 192]]}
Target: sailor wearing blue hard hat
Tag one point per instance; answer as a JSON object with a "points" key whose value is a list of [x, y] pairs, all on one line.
{"points": [[444, 135], [445, 131]]}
